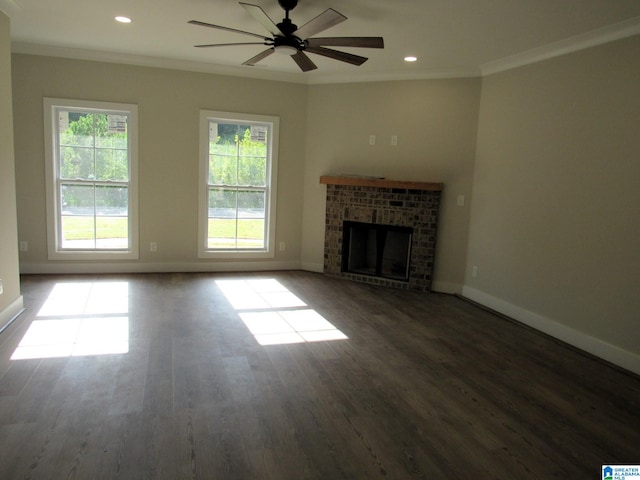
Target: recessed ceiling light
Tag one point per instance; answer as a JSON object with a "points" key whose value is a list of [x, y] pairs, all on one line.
{"points": [[122, 19], [410, 59]]}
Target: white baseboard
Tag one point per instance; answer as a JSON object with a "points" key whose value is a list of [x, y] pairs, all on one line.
{"points": [[611, 353], [157, 267], [312, 267], [10, 313]]}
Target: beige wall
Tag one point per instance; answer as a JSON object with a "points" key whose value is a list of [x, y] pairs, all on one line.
{"points": [[169, 102], [550, 152], [555, 221], [10, 300], [436, 125]]}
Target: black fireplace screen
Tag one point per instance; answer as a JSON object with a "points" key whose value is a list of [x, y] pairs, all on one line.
{"points": [[377, 250]]}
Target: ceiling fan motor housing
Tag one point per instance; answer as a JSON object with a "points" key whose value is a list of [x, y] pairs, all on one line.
{"points": [[287, 26]]}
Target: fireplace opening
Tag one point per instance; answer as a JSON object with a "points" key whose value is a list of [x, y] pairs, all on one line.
{"points": [[377, 250]]}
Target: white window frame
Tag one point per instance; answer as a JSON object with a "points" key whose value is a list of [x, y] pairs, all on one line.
{"points": [[55, 251], [271, 185]]}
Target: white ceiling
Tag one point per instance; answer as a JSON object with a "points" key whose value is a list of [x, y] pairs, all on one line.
{"points": [[450, 37]]}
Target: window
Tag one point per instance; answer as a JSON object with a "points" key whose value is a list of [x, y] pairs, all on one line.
{"points": [[91, 168], [237, 185]]}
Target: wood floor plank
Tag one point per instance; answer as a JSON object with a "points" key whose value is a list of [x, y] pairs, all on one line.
{"points": [[424, 386], [35, 394], [17, 376]]}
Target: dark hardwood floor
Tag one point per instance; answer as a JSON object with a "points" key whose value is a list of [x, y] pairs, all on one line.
{"points": [[166, 380]]}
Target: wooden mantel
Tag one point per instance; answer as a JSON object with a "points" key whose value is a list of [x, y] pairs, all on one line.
{"points": [[357, 181]]}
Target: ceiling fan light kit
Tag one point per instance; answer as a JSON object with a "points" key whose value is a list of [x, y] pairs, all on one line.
{"points": [[285, 50], [287, 39]]}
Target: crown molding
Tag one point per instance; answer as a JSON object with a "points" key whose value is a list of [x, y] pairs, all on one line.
{"points": [[155, 62], [9, 7], [387, 77], [600, 36]]}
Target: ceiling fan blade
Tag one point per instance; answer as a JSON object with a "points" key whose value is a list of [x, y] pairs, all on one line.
{"points": [[326, 19], [336, 55], [363, 42], [229, 44], [259, 14], [303, 62], [220, 27], [253, 60]]}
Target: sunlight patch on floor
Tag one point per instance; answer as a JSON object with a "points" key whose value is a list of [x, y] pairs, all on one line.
{"points": [[258, 294], [77, 319], [274, 315]]}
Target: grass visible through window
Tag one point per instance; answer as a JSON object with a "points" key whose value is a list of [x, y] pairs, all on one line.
{"points": [[222, 233], [81, 228]]}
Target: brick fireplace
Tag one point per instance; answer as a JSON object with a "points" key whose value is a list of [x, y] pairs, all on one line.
{"points": [[412, 206]]}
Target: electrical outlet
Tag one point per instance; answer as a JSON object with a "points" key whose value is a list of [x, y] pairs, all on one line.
{"points": [[394, 140], [474, 271], [153, 247], [24, 246], [460, 201], [1, 287], [283, 246], [372, 139]]}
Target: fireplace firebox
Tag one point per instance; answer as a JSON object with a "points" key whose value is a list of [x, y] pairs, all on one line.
{"points": [[377, 250]]}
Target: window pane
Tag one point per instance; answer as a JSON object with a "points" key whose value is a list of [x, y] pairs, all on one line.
{"points": [[111, 131], [223, 138], [221, 223], [112, 232], [76, 162], [222, 233], [251, 214], [112, 164], [112, 201], [252, 171], [222, 203], [78, 231], [251, 204], [77, 223], [112, 223], [77, 199], [250, 233], [220, 148], [76, 128], [222, 170], [253, 143]]}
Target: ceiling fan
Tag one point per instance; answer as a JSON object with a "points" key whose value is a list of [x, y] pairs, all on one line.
{"points": [[288, 39]]}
